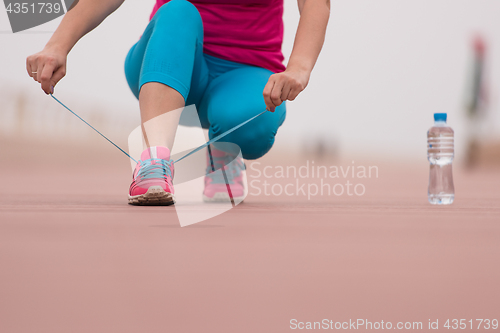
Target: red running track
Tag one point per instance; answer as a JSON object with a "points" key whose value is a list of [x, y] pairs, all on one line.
{"points": [[75, 257]]}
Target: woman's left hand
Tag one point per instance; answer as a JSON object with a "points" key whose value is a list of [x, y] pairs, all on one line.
{"points": [[284, 86]]}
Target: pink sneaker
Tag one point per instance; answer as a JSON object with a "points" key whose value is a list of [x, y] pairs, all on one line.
{"points": [[216, 188], [152, 184]]}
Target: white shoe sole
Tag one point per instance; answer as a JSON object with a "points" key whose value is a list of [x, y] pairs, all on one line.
{"points": [[155, 196], [222, 197]]}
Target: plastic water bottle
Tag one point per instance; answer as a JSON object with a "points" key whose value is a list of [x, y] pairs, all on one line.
{"points": [[440, 152]]}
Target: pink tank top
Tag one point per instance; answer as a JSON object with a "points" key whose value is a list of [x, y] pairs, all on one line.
{"points": [[244, 31]]}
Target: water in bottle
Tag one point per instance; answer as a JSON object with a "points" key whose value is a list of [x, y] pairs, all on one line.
{"points": [[440, 152]]}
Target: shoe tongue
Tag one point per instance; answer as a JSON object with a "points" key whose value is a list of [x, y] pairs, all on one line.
{"points": [[156, 152]]}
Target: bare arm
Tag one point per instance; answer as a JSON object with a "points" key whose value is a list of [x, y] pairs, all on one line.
{"points": [[309, 39], [310, 34], [49, 65]]}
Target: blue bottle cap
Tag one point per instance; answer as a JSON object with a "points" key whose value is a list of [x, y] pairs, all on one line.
{"points": [[440, 117]]}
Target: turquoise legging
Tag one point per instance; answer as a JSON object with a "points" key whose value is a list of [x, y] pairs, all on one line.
{"points": [[225, 93]]}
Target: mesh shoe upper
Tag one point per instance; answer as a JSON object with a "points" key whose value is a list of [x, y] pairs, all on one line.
{"points": [[155, 168], [233, 167]]}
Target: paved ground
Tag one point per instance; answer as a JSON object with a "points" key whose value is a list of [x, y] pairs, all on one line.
{"points": [[74, 257]]}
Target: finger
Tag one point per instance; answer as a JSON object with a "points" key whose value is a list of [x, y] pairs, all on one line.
{"points": [[38, 71], [34, 73], [276, 93], [46, 76], [28, 66], [58, 75], [285, 92], [267, 93], [33, 68], [293, 94]]}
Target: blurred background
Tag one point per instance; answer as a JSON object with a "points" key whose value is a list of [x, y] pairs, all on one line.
{"points": [[386, 67], [75, 257]]}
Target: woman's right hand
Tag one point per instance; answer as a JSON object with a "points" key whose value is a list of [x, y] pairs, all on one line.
{"points": [[47, 67]]}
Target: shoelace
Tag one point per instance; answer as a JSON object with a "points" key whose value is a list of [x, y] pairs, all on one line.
{"points": [[154, 168], [220, 136], [233, 169]]}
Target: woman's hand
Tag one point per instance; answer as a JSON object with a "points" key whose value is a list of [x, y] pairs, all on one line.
{"points": [[285, 86], [47, 67], [308, 42]]}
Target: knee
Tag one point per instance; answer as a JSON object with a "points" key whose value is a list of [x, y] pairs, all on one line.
{"points": [[178, 8], [254, 140], [254, 145]]}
